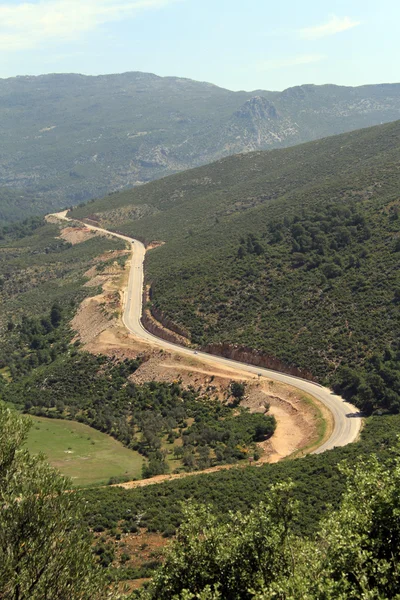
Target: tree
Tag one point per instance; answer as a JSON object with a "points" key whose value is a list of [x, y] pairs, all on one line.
{"points": [[212, 560], [358, 547], [238, 389], [55, 315], [241, 252], [44, 550]]}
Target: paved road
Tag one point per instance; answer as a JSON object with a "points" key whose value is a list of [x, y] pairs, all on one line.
{"points": [[347, 420]]}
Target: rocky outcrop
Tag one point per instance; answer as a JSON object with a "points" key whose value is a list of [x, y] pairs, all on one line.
{"points": [[257, 358], [257, 108], [258, 124]]}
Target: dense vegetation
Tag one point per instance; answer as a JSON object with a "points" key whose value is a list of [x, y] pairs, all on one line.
{"points": [[16, 204], [354, 554], [294, 253], [20, 229], [35, 341], [67, 138]]}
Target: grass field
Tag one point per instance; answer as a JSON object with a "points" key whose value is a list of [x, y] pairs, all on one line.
{"points": [[85, 455]]}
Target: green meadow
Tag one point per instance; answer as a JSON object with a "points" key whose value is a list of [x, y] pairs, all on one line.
{"points": [[85, 455]]}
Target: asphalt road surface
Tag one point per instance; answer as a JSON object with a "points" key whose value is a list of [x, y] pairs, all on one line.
{"points": [[347, 419]]}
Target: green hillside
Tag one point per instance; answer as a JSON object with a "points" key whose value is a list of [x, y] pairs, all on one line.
{"points": [[294, 252], [67, 138]]}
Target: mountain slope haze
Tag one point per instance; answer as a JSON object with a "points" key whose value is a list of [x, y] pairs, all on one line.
{"points": [[67, 138]]}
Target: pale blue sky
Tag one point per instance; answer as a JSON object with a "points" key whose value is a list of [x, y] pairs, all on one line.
{"points": [[237, 44]]}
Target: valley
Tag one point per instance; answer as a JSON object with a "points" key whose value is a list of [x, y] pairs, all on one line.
{"points": [[301, 425], [212, 358], [346, 418]]}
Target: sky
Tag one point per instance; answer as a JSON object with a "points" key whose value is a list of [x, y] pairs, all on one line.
{"points": [[236, 44]]}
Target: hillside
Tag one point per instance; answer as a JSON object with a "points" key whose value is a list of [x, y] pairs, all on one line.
{"points": [[67, 138], [15, 204], [294, 253]]}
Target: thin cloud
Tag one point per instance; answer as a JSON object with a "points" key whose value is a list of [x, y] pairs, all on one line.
{"points": [[28, 25], [281, 63], [331, 27]]}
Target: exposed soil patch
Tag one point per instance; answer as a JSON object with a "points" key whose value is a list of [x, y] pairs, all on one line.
{"points": [[136, 550], [101, 312], [76, 235], [295, 418], [92, 318], [155, 244], [116, 341]]}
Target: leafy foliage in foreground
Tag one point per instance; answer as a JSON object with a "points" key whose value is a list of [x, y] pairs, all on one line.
{"points": [[45, 552], [294, 253], [355, 553]]}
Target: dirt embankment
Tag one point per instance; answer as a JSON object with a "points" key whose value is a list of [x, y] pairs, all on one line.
{"points": [[76, 235], [101, 312]]}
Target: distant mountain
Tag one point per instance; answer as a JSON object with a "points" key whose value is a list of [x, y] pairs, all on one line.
{"points": [[68, 138]]}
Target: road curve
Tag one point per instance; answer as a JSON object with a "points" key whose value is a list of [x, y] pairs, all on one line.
{"points": [[347, 420]]}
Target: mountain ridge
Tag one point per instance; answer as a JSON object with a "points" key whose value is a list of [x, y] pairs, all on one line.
{"points": [[70, 137]]}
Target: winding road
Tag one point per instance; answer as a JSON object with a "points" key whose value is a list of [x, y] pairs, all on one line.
{"points": [[347, 419]]}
